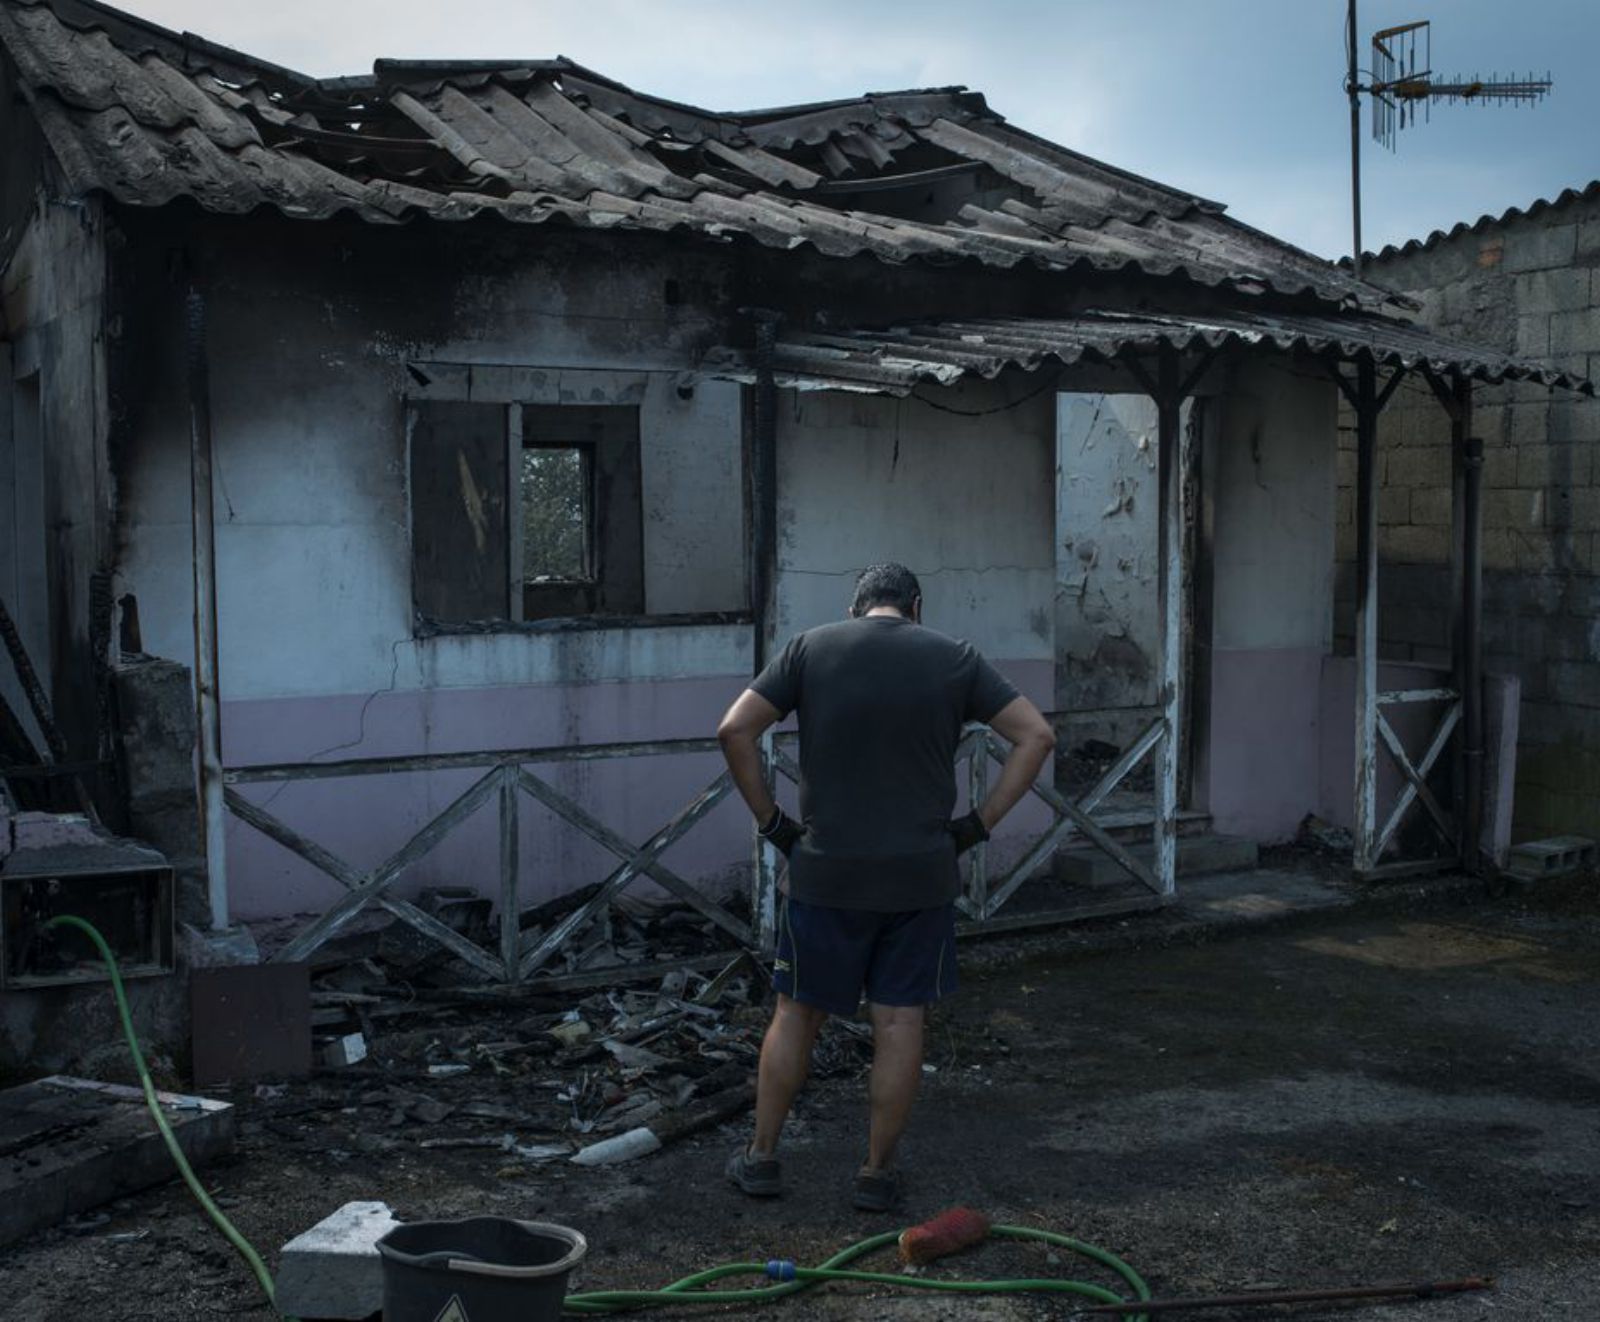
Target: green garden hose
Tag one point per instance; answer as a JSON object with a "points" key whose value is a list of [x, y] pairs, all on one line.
{"points": [[787, 1277], [792, 1279], [245, 1248]]}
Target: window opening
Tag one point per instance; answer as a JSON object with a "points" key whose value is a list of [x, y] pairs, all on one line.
{"points": [[557, 505]]}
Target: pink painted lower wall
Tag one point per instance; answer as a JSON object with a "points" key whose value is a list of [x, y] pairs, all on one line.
{"points": [[1263, 758], [365, 819]]}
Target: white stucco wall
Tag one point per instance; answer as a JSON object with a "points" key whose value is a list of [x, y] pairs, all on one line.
{"points": [[1272, 482], [314, 569], [967, 503]]}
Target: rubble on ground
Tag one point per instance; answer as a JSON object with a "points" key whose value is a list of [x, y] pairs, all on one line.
{"points": [[416, 1051]]}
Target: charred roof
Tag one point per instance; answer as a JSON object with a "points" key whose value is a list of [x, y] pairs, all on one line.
{"points": [[148, 116]]}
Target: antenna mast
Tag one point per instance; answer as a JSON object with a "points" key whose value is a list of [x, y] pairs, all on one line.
{"points": [[1402, 79]]}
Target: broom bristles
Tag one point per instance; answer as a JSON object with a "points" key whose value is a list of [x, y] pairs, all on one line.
{"points": [[949, 1232]]}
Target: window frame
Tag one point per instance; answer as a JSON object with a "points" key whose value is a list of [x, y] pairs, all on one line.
{"points": [[517, 389]]}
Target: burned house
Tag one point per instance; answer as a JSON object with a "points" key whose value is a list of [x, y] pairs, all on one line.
{"points": [[473, 430]]}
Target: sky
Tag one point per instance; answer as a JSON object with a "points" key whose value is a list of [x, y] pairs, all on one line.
{"points": [[1241, 101]]}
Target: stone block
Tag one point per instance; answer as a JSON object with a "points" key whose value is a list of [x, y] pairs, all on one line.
{"points": [[1585, 506], [1543, 723], [1424, 626], [1414, 426], [1575, 332], [1537, 552], [1344, 512], [1489, 417], [1570, 637], [1562, 290], [1409, 544], [1560, 466], [1414, 467], [1345, 467], [1526, 392], [1394, 505], [1533, 335], [1431, 506], [1530, 423], [1414, 585], [1532, 246], [333, 1270], [1514, 508], [1574, 421], [1536, 596], [1576, 682], [1499, 549], [1499, 466], [1554, 856], [1589, 241], [1582, 596]]}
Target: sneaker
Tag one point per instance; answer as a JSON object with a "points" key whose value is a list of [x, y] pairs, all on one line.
{"points": [[875, 1190], [760, 1177]]}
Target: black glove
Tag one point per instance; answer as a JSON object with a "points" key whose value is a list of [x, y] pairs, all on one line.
{"points": [[967, 831], [782, 832]]}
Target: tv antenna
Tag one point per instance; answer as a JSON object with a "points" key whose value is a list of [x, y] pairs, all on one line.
{"points": [[1402, 79]]}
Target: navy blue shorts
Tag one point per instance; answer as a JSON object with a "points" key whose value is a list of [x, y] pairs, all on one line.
{"points": [[829, 957]]}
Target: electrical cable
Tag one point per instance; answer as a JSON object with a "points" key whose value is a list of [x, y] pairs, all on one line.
{"points": [[788, 1277]]}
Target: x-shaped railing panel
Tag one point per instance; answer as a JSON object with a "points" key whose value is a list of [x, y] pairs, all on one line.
{"points": [[979, 746], [517, 958], [1416, 775]]}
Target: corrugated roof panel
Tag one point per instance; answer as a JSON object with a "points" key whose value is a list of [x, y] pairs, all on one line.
{"points": [[148, 116], [894, 360], [1566, 197]]}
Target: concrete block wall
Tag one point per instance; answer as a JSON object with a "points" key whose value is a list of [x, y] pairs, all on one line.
{"points": [[1530, 286]]}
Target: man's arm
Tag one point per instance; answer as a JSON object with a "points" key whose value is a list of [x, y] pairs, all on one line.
{"points": [[1032, 741], [739, 734]]}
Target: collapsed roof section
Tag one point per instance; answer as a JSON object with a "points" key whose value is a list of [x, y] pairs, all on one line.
{"points": [[148, 116], [895, 360]]}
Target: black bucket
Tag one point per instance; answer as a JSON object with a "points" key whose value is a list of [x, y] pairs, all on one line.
{"points": [[480, 1269]]}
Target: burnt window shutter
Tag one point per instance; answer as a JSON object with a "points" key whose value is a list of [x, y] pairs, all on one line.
{"points": [[459, 534]]}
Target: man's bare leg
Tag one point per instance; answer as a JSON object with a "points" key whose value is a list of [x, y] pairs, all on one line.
{"points": [[785, 1061], [896, 1072]]}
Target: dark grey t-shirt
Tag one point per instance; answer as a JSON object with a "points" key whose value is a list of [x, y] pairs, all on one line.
{"points": [[881, 703]]}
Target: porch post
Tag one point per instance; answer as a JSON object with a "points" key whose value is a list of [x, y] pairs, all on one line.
{"points": [[1469, 659], [763, 594], [1366, 713], [208, 713], [1169, 405]]}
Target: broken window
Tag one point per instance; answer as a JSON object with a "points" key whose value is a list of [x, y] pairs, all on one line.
{"points": [[525, 512], [557, 514]]}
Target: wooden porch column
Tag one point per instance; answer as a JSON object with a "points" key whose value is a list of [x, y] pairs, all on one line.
{"points": [[763, 561], [207, 684], [1467, 607], [1169, 413], [1366, 783]]}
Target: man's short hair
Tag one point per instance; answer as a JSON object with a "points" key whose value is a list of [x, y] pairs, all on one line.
{"points": [[885, 585]]}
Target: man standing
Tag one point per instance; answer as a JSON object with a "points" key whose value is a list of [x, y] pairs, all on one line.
{"points": [[868, 902]]}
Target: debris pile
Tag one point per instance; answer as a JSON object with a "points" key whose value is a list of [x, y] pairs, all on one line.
{"points": [[409, 1059]]}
